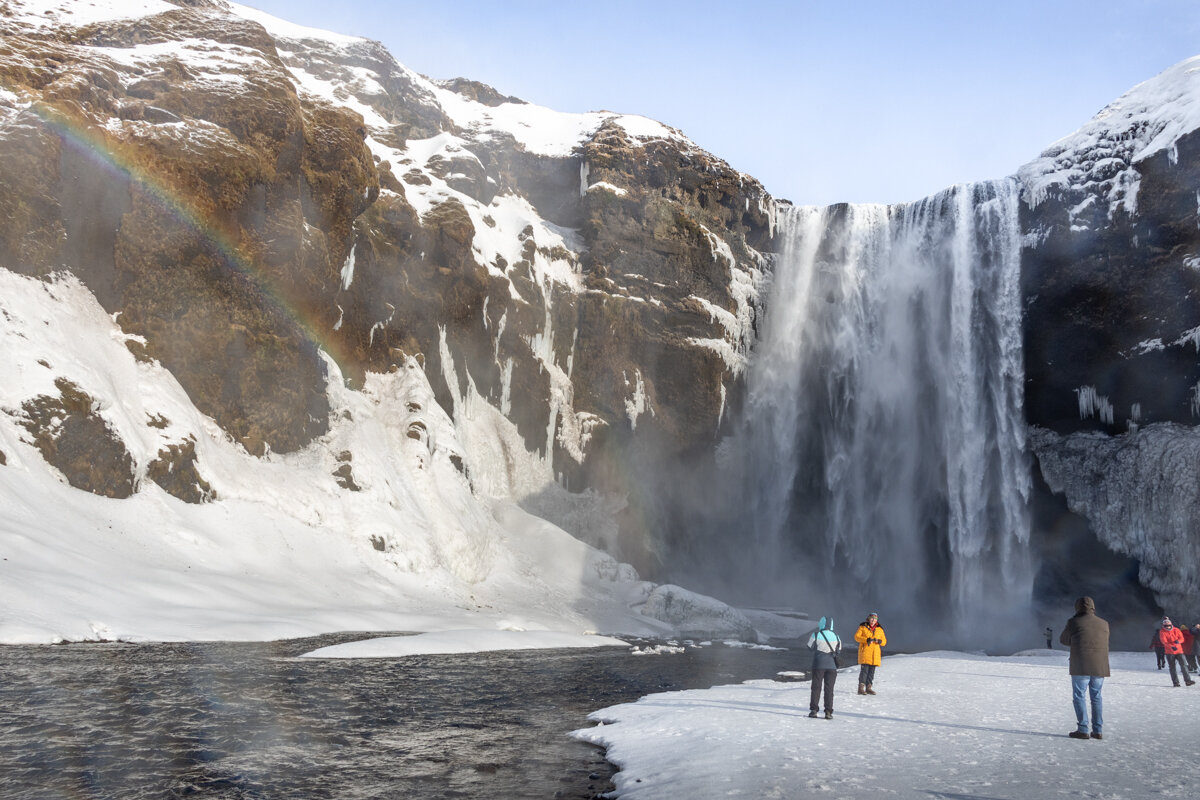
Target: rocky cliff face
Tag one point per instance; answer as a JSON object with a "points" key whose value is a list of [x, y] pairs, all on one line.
{"points": [[243, 194], [1111, 283], [1111, 265], [169, 162]]}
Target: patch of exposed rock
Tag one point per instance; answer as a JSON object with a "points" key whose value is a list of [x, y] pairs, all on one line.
{"points": [[175, 471], [78, 442], [479, 92]]}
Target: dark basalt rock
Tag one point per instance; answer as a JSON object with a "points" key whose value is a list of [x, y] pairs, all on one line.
{"points": [[1095, 294], [1111, 292]]}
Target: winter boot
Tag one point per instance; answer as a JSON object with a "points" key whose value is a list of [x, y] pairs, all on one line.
{"points": [[812, 714], [869, 690], [862, 688], [828, 715]]}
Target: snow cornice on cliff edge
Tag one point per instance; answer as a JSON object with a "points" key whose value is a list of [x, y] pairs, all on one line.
{"points": [[1100, 157]]}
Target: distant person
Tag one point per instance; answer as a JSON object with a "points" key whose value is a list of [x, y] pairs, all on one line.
{"points": [[871, 640], [1049, 637], [1195, 645], [1087, 636], [825, 646], [1172, 642], [1157, 646], [1189, 648]]}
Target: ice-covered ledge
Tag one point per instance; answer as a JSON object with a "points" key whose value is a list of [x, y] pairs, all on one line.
{"points": [[1141, 493]]}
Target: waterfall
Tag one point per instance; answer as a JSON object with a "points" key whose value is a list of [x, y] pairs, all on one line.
{"points": [[883, 439]]}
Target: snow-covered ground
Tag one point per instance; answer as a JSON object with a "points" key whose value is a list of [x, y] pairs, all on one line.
{"points": [[943, 725]]}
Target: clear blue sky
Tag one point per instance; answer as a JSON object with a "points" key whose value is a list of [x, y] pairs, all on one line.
{"points": [[823, 102]]}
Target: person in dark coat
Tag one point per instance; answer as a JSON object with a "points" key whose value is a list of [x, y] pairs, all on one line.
{"points": [[825, 646], [1189, 647], [1087, 636], [1157, 646]]}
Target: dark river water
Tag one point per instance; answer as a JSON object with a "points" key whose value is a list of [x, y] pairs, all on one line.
{"points": [[251, 720]]}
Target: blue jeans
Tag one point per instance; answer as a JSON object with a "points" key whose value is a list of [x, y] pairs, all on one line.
{"points": [[1081, 686]]}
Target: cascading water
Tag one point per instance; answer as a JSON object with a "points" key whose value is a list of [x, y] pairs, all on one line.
{"points": [[883, 446]]}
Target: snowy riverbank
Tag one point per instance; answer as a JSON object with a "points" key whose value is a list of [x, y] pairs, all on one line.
{"points": [[944, 725]]}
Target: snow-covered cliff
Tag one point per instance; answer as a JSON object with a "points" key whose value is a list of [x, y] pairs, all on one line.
{"points": [[1111, 285], [307, 324]]}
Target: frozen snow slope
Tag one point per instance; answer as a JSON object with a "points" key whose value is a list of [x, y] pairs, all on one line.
{"points": [[283, 550]]}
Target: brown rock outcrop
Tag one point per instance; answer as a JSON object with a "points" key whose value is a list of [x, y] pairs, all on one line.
{"points": [[175, 471], [218, 241], [77, 441]]}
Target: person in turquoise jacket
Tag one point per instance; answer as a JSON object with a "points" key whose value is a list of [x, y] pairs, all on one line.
{"points": [[825, 646]]}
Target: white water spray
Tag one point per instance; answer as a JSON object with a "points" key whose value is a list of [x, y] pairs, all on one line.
{"points": [[884, 427]]}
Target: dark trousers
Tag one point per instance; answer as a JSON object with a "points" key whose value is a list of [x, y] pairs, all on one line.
{"points": [[1162, 657], [1172, 660], [822, 678], [1191, 659], [866, 673]]}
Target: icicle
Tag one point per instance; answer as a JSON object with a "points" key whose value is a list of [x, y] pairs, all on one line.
{"points": [[1091, 404]]}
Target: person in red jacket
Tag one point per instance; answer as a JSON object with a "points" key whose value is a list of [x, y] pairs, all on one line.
{"points": [[1172, 642]]}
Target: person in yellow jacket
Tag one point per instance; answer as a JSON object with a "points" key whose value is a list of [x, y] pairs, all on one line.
{"points": [[871, 640]]}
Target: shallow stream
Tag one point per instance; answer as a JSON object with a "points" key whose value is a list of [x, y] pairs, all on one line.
{"points": [[251, 720]]}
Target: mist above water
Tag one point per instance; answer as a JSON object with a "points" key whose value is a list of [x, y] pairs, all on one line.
{"points": [[881, 456]]}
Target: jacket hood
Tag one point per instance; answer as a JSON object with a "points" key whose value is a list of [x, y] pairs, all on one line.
{"points": [[1085, 605], [826, 624]]}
